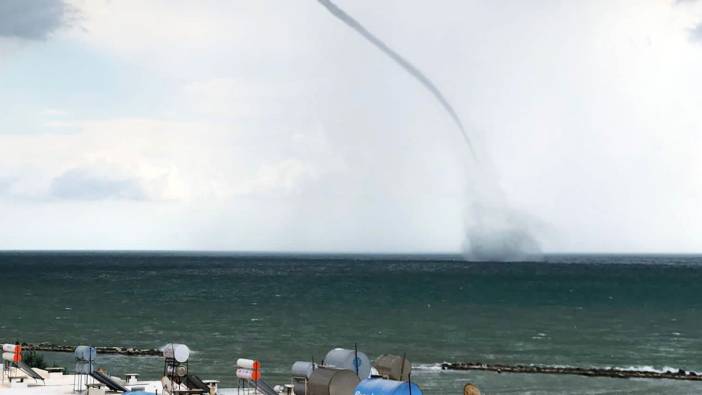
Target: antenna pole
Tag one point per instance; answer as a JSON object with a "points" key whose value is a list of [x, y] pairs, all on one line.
{"points": [[355, 357]]}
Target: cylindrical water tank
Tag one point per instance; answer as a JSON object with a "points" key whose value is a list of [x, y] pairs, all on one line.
{"points": [[85, 353], [393, 367], [302, 369], [342, 358], [179, 352], [9, 356], [248, 374], [248, 364], [386, 387], [179, 371], [10, 348], [299, 388], [330, 381]]}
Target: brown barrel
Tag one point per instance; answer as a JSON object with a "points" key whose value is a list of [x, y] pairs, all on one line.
{"points": [[329, 381], [393, 367], [470, 389]]}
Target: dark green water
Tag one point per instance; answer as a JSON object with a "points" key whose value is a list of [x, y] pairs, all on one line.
{"points": [[580, 310]]}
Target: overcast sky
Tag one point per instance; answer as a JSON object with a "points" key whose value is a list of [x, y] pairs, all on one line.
{"points": [[270, 125]]}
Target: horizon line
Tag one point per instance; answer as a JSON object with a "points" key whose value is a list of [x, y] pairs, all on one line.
{"points": [[323, 252]]}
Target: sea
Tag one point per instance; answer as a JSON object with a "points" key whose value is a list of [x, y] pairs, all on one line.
{"points": [[625, 311]]}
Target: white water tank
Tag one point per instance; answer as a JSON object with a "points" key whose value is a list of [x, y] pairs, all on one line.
{"points": [[8, 356], [85, 353], [179, 352], [10, 348], [250, 364], [342, 358]]}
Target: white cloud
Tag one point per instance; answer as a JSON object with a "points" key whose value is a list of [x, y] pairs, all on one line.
{"points": [[91, 184], [165, 184], [242, 99], [54, 112], [182, 39], [169, 160]]}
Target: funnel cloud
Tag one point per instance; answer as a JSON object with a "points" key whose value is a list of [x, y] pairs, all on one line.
{"points": [[404, 63], [492, 234]]}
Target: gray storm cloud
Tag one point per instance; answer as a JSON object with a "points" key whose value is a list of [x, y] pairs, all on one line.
{"points": [[84, 184], [33, 19]]}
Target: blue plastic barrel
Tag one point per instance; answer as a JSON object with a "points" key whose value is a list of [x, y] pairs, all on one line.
{"points": [[386, 387]]}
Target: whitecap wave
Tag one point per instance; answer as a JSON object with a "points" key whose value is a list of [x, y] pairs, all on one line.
{"points": [[633, 368], [427, 367], [652, 369]]}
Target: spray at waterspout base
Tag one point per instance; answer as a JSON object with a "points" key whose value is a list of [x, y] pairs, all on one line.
{"points": [[498, 234]]}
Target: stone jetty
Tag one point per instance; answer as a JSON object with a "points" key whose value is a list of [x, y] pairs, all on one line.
{"points": [[592, 372], [133, 351]]}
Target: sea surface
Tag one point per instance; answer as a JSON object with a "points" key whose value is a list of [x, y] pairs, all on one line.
{"points": [[642, 311]]}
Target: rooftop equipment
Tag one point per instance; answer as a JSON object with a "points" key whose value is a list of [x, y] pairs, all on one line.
{"points": [[194, 382], [108, 381], [85, 353], [12, 354], [393, 367], [15, 349], [302, 369], [131, 378], [176, 371], [352, 360], [28, 370], [213, 385], [178, 352], [331, 381], [248, 371], [85, 364], [85, 371], [378, 386], [175, 367], [301, 372]]}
